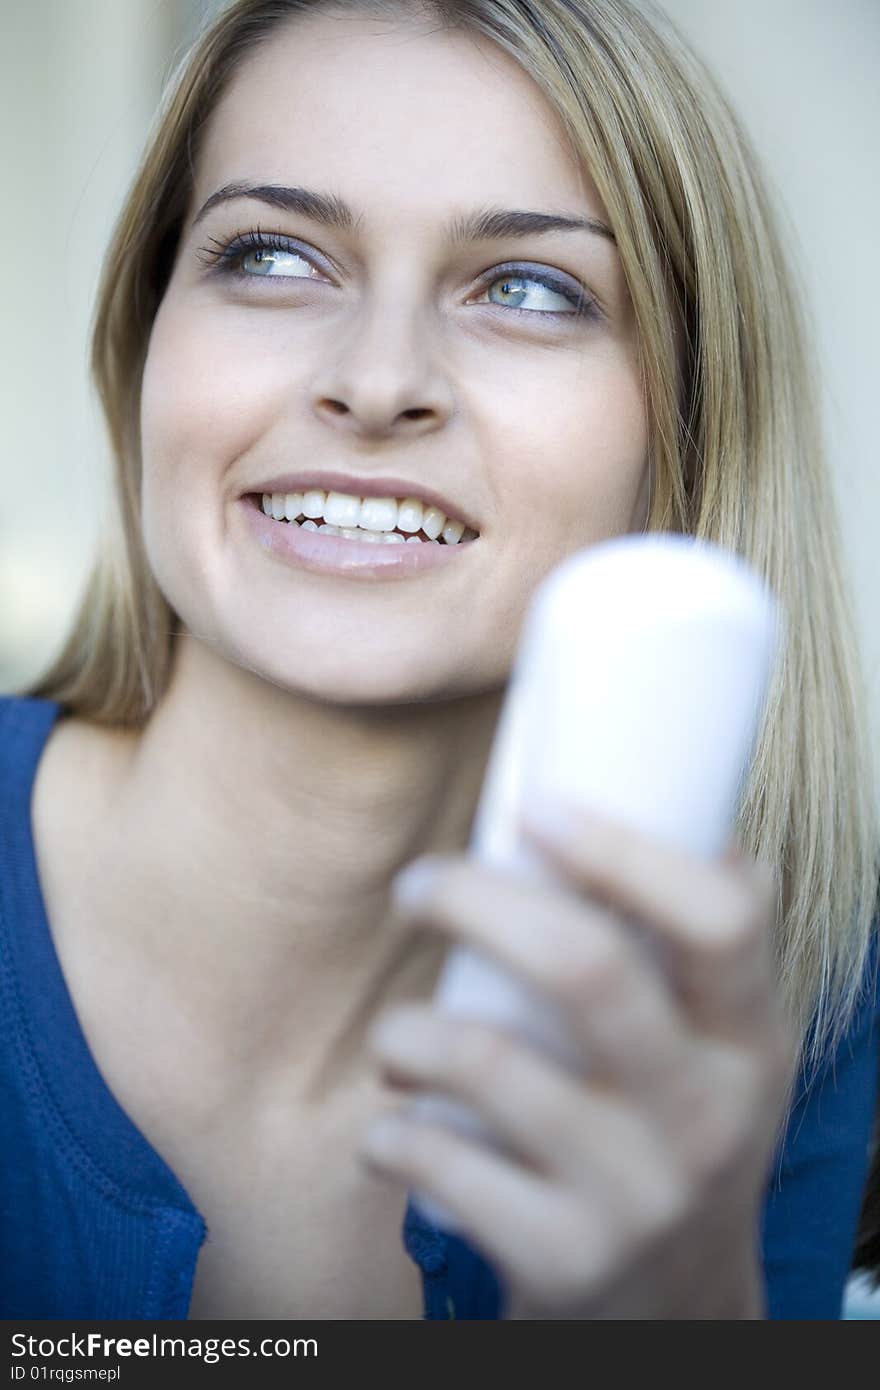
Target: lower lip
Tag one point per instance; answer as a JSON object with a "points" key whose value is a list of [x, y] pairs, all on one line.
{"points": [[325, 554]]}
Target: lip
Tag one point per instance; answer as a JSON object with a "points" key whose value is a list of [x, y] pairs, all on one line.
{"points": [[362, 487], [323, 554]]}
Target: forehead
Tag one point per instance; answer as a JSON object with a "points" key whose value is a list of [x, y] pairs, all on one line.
{"points": [[400, 117]]}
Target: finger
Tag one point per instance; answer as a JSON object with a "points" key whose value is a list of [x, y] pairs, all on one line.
{"points": [[577, 954], [530, 1105], [506, 1212], [547, 1245], [712, 919]]}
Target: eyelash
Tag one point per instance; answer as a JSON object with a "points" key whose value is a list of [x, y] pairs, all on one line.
{"points": [[221, 257]]}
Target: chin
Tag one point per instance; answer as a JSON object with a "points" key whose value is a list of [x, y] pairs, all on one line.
{"points": [[350, 678]]}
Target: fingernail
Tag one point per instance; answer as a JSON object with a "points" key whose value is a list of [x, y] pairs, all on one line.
{"points": [[388, 1033], [412, 883], [382, 1138]]}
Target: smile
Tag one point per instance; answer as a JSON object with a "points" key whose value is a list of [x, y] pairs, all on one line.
{"points": [[373, 520], [355, 551]]}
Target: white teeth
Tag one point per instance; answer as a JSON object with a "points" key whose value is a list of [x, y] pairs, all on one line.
{"points": [[409, 514], [293, 505], [313, 504], [371, 519], [342, 510], [433, 522], [352, 533], [378, 514]]}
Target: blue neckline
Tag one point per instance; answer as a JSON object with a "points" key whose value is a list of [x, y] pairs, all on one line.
{"points": [[126, 1167]]}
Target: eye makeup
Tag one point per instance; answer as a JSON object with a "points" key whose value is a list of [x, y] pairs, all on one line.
{"points": [[226, 258]]}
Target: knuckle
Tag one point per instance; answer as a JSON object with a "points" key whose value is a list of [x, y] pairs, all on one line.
{"points": [[596, 967], [480, 1054]]}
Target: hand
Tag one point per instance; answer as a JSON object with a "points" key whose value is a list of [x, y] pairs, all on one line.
{"points": [[633, 1188]]}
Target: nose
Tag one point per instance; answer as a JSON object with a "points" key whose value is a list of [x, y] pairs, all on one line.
{"points": [[384, 377]]}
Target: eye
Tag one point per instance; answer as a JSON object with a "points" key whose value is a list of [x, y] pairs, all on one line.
{"points": [[270, 262], [258, 254], [512, 282]]}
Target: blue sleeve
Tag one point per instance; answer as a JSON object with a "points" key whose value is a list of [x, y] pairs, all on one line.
{"points": [[813, 1200]]}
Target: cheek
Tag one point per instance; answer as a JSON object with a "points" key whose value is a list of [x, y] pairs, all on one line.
{"points": [[207, 395], [572, 444], [194, 425], [209, 391]]}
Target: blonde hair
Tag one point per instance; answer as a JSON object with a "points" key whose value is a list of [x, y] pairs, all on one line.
{"points": [[736, 451]]}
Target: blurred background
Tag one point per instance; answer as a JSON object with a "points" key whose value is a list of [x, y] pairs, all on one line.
{"points": [[80, 81]]}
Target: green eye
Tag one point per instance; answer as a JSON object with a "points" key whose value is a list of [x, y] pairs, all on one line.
{"points": [[257, 254], [269, 262], [512, 284], [269, 255]]}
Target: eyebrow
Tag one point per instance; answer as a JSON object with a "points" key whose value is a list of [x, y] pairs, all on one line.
{"points": [[484, 224]]}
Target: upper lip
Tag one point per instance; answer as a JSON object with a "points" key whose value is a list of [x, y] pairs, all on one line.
{"points": [[363, 487]]}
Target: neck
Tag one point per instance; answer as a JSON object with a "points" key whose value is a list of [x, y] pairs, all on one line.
{"points": [[254, 835]]}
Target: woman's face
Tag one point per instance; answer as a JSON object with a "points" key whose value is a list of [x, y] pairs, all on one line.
{"points": [[386, 348]]}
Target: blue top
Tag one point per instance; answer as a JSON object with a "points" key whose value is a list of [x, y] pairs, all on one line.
{"points": [[94, 1224]]}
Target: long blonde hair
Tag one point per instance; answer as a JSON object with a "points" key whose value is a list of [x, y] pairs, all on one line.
{"points": [[736, 450]]}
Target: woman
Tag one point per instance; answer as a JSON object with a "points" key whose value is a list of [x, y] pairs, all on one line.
{"points": [[500, 277]]}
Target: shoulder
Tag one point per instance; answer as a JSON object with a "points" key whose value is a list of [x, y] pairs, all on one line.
{"points": [[54, 767], [78, 766], [29, 728], [25, 721], [25, 727]]}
